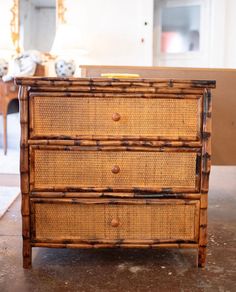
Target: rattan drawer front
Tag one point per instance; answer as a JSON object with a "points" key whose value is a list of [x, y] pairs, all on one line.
{"points": [[72, 168], [75, 220], [80, 117]]}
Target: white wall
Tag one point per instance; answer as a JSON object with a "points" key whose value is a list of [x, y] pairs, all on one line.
{"points": [[230, 35], [222, 53], [217, 33], [112, 30], [6, 44]]}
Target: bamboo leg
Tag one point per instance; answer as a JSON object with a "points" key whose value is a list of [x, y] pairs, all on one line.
{"points": [[203, 234], [27, 254], [201, 256], [206, 167]]}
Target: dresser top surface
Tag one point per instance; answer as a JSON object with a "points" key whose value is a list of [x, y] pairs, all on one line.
{"points": [[135, 82]]}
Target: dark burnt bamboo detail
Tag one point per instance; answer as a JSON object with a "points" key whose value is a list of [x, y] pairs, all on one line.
{"points": [[178, 91], [140, 190], [115, 148], [89, 194], [131, 243], [76, 94], [113, 82], [127, 143], [166, 141], [115, 201]]}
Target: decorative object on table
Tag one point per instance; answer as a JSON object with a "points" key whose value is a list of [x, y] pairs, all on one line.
{"points": [[3, 67], [24, 64], [102, 166], [65, 68]]}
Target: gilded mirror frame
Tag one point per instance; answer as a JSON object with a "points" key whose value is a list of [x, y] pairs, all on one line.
{"points": [[61, 11], [14, 24]]}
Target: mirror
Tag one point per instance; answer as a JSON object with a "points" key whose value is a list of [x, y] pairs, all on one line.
{"points": [[37, 23]]}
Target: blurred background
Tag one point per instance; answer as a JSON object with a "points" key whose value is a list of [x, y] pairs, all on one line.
{"points": [[55, 37], [192, 33]]}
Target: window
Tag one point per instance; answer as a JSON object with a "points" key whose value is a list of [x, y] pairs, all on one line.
{"points": [[180, 29], [181, 33]]}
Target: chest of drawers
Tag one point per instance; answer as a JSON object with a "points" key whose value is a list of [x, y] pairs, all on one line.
{"points": [[114, 163]]}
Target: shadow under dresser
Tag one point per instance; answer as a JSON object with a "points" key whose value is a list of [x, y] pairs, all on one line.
{"points": [[114, 163]]}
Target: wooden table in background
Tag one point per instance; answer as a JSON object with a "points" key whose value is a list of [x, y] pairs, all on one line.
{"points": [[8, 92]]}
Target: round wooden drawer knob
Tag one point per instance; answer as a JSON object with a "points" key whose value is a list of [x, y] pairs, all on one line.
{"points": [[115, 223], [115, 169], [116, 117]]}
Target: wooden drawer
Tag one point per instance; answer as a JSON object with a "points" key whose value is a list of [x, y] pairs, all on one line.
{"points": [[150, 221], [76, 117], [108, 169]]}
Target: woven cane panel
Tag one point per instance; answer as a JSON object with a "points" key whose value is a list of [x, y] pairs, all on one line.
{"points": [[58, 168], [93, 116], [78, 221]]}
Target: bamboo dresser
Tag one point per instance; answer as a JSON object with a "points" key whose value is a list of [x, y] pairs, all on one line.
{"points": [[114, 163]]}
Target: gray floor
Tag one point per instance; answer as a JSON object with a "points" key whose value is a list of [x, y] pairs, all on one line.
{"points": [[129, 270]]}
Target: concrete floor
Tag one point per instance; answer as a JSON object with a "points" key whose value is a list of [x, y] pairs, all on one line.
{"points": [[129, 270]]}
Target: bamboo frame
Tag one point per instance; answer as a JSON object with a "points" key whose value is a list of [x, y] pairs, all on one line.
{"points": [[115, 245], [24, 175], [100, 87], [166, 141], [147, 92], [93, 83], [115, 201], [116, 148], [117, 95], [193, 196], [110, 142], [206, 166]]}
